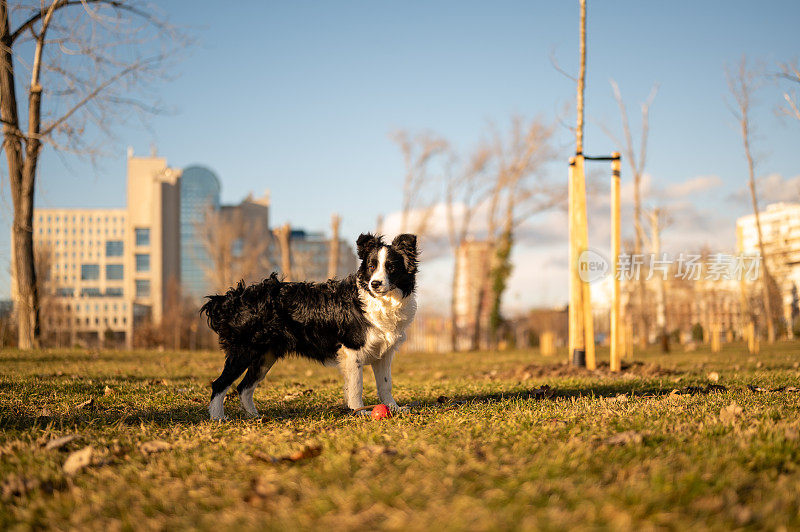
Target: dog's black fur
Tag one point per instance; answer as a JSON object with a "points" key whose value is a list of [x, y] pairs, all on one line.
{"points": [[313, 320]]}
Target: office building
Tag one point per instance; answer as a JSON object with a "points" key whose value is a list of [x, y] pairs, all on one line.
{"points": [[200, 189]]}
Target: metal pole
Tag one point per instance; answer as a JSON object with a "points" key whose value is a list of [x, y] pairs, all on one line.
{"points": [[615, 250]]}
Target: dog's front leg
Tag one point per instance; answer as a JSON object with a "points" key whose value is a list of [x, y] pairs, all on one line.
{"points": [[353, 380], [382, 368]]}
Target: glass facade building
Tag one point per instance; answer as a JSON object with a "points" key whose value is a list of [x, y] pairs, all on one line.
{"points": [[200, 191]]}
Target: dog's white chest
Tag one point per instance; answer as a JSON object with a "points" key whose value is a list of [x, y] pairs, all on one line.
{"points": [[389, 316]]}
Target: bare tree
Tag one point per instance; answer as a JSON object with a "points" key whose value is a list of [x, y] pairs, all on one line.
{"points": [[87, 57], [659, 220], [637, 166], [791, 72], [519, 192], [418, 153], [742, 84], [238, 248]]}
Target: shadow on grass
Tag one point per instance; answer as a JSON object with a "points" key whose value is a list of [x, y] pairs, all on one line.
{"points": [[184, 415], [547, 393], [197, 413]]}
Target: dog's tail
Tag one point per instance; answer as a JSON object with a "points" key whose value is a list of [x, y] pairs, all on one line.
{"points": [[218, 307]]}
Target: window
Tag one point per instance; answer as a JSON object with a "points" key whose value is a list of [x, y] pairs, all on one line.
{"points": [[114, 292], [114, 272], [142, 236], [238, 247], [90, 272], [64, 292], [90, 292], [142, 262], [113, 248], [142, 288]]}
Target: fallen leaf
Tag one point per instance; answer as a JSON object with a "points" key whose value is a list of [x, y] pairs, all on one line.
{"points": [[624, 438], [58, 443], [713, 376], [154, 446], [308, 451], [730, 413], [107, 390], [88, 403], [78, 460]]}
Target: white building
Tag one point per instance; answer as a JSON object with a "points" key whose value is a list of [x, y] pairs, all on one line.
{"points": [[780, 231]]}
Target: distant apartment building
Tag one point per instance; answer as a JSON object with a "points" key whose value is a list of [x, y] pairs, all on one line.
{"points": [[780, 231], [84, 296], [310, 254], [109, 268], [473, 260]]}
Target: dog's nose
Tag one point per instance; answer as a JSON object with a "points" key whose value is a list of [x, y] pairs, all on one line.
{"points": [[376, 284]]}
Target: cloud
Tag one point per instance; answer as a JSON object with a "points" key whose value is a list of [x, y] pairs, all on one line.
{"points": [[692, 186], [772, 188]]}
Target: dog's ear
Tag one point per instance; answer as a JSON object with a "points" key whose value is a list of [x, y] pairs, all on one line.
{"points": [[406, 245], [366, 243]]}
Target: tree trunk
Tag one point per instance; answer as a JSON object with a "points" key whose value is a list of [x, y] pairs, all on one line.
{"points": [[661, 293], [454, 330], [21, 175], [765, 290]]}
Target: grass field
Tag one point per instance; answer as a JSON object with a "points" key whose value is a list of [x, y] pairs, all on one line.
{"points": [[485, 447]]}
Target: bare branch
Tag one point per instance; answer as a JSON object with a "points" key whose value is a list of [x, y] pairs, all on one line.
{"points": [[100, 88], [557, 67], [418, 153]]}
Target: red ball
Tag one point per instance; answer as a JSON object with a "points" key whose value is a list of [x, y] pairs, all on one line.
{"points": [[381, 412]]}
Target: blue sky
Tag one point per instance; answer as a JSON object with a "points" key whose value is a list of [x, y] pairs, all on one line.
{"points": [[300, 97]]}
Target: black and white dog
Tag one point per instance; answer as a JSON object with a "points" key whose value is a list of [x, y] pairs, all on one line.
{"points": [[350, 322]]}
